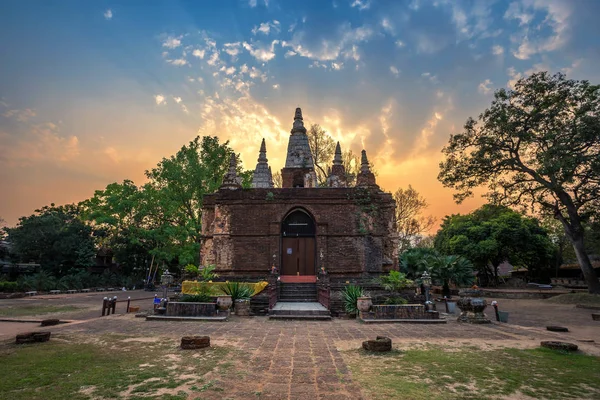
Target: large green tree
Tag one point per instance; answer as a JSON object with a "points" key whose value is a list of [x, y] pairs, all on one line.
{"points": [[493, 234], [119, 224], [173, 197], [55, 237], [538, 146]]}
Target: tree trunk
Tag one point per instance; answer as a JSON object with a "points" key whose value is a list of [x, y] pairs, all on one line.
{"points": [[586, 265]]}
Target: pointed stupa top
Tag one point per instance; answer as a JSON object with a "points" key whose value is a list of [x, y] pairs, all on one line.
{"points": [[365, 176], [298, 122], [231, 180], [337, 174], [262, 177], [337, 159], [298, 151]]}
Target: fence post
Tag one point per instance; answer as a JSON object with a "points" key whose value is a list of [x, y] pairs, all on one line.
{"points": [[104, 301], [114, 304], [128, 302]]}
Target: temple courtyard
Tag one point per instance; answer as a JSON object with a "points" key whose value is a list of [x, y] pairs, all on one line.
{"points": [[121, 356]]}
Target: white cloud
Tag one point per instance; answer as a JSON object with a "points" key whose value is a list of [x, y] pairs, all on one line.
{"points": [[400, 43], [387, 26], [177, 99], [514, 75], [264, 54], [484, 87], [361, 4], [199, 53], [233, 49], [432, 78], [159, 99], [228, 71], [172, 42], [178, 62], [574, 65], [330, 49], [337, 66], [214, 58], [276, 86], [20, 115], [252, 3], [517, 10], [497, 50], [394, 71], [531, 40], [265, 27], [290, 53], [108, 14]]}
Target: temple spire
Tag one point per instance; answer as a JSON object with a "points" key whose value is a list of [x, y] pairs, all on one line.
{"points": [[262, 177], [337, 174], [298, 126], [337, 159], [231, 180], [365, 176]]}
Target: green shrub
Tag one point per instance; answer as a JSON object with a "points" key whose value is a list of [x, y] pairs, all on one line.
{"points": [[237, 291], [350, 295], [8, 287], [395, 300], [207, 273], [196, 298], [394, 281]]}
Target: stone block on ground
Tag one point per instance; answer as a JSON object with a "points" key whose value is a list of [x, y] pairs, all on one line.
{"points": [[32, 337], [380, 344], [554, 328], [554, 345], [50, 322], [195, 342]]}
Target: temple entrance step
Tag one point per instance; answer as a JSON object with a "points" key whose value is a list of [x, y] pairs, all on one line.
{"points": [[298, 292], [284, 310]]}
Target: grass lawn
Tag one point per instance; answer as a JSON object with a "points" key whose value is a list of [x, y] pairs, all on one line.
{"points": [[110, 367], [25, 311], [471, 373], [576, 298]]}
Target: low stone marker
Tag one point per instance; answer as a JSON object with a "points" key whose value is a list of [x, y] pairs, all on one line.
{"points": [[195, 342], [50, 322], [32, 337], [380, 344], [553, 328], [564, 346]]}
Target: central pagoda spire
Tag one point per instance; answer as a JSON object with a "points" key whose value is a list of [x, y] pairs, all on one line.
{"points": [[299, 170]]}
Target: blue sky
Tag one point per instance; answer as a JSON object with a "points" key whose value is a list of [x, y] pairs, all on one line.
{"points": [[93, 92]]}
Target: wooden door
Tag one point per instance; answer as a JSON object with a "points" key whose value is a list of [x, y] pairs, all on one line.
{"points": [[298, 256]]}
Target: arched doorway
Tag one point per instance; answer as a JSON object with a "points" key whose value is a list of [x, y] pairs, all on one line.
{"points": [[298, 245]]}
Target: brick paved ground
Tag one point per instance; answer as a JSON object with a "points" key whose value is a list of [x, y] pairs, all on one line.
{"points": [[302, 360]]}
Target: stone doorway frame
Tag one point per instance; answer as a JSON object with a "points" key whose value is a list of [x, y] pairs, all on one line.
{"points": [[310, 233]]}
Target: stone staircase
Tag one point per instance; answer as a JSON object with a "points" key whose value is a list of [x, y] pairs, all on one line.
{"points": [[298, 292], [298, 310], [299, 301]]}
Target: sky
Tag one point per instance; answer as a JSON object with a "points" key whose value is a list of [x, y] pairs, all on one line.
{"points": [[95, 92]]}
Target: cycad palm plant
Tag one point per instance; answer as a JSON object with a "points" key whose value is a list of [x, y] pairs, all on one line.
{"points": [[449, 269]]}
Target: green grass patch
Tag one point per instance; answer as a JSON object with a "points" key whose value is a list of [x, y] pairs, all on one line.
{"points": [[108, 368], [436, 373], [587, 299], [29, 310]]}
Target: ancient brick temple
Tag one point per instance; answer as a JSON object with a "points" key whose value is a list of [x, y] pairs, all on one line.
{"points": [[301, 231]]}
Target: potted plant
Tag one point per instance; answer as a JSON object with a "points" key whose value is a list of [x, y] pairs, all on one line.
{"points": [[350, 296], [240, 295], [364, 303]]}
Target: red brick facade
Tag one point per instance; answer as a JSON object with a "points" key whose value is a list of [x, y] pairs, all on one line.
{"points": [[355, 229]]}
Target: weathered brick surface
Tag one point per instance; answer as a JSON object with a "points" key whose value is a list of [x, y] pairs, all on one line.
{"points": [[242, 229]]}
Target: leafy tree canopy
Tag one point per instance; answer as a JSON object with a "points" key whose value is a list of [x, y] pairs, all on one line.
{"points": [[493, 234], [55, 237], [536, 146]]}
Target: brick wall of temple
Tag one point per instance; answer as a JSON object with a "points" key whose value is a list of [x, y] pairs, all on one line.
{"points": [[242, 229]]}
